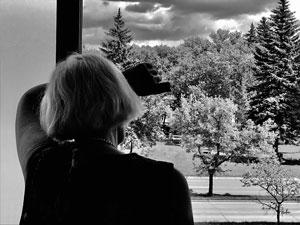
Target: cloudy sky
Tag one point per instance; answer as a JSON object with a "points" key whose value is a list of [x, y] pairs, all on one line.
{"points": [[169, 21]]}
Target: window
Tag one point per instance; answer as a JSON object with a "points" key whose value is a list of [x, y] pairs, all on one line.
{"points": [[27, 56], [214, 58]]}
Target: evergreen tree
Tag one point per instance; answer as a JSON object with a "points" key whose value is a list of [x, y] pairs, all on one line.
{"points": [[117, 46], [265, 86], [276, 72], [251, 36], [287, 52]]}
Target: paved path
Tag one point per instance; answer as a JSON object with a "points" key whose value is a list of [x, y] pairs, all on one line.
{"points": [[239, 211], [223, 185], [234, 211]]}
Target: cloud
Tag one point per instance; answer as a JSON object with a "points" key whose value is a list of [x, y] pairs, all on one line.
{"points": [[98, 14], [171, 19], [142, 7], [176, 29], [219, 9], [93, 36], [105, 3]]}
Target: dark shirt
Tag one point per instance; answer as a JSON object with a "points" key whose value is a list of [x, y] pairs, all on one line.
{"points": [[70, 185]]}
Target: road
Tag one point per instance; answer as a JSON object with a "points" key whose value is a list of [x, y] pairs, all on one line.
{"points": [[240, 211], [234, 211]]}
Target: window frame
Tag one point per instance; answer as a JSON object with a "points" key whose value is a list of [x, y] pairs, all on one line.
{"points": [[68, 28]]}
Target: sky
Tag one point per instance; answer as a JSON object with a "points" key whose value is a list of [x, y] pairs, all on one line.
{"points": [[155, 22]]}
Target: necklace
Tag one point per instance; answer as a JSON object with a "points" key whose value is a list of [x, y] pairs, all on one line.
{"points": [[104, 140]]}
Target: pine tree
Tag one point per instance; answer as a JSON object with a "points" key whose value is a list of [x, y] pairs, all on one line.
{"points": [[276, 72], [264, 87], [287, 51], [117, 46], [251, 36]]}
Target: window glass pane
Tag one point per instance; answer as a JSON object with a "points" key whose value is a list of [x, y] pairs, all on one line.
{"points": [[27, 56], [148, 23], [229, 61], [191, 43]]}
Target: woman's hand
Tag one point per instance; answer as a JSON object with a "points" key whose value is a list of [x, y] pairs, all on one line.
{"points": [[144, 80]]}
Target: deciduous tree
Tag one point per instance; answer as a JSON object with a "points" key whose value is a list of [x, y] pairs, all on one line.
{"points": [[209, 123], [276, 181], [147, 129]]}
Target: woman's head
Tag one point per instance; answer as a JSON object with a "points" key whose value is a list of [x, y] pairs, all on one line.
{"points": [[87, 95]]}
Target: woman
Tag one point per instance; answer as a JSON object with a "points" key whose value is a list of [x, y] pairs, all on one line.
{"points": [[67, 135]]}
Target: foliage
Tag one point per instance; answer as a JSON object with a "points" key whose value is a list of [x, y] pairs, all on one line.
{"points": [[251, 35], [275, 93], [147, 129], [224, 39], [276, 181], [209, 123], [257, 140], [197, 46], [220, 67], [161, 57], [117, 46]]}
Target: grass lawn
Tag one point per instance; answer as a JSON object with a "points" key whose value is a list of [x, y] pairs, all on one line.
{"points": [[244, 223], [183, 161]]}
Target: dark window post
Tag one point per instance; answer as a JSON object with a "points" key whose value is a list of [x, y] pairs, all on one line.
{"points": [[68, 28]]}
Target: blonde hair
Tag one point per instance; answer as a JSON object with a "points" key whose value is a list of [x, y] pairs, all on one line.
{"points": [[86, 94]]}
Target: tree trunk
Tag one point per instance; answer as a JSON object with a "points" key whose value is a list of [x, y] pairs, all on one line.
{"points": [[276, 148], [211, 182], [131, 146], [278, 215], [276, 145]]}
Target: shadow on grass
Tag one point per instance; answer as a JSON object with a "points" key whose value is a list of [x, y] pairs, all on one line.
{"points": [[229, 197], [226, 196], [291, 162], [244, 223]]}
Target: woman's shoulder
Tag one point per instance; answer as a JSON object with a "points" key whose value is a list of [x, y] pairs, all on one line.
{"points": [[52, 151], [153, 164], [149, 161], [161, 167], [50, 158], [165, 168]]}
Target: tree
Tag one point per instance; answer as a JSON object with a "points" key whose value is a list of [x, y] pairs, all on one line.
{"points": [[221, 66], [197, 45], [209, 123], [147, 129], [276, 90], [276, 181], [265, 84], [287, 52], [224, 38], [251, 36], [159, 56], [117, 46]]}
